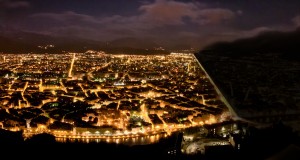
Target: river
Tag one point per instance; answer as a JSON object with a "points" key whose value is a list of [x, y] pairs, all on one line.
{"points": [[137, 140]]}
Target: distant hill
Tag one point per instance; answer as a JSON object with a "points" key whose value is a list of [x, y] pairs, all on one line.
{"points": [[284, 43], [131, 42], [25, 42], [134, 51], [130, 45], [12, 46]]}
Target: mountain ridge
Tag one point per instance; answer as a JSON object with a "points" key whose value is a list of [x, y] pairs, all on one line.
{"points": [[286, 44], [27, 42]]}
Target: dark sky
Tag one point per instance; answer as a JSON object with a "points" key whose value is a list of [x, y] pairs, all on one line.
{"points": [[168, 22]]}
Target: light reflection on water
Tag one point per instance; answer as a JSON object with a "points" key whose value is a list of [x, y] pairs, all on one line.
{"points": [[141, 140]]}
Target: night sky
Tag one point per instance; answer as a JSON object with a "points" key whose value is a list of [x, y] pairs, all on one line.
{"points": [[167, 22]]}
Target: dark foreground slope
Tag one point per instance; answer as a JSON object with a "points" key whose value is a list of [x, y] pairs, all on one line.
{"points": [[259, 76]]}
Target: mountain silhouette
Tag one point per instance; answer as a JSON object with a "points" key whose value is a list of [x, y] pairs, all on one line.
{"points": [[286, 44], [14, 41]]}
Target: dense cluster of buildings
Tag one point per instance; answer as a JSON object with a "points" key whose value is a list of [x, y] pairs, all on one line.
{"points": [[98, 94]]}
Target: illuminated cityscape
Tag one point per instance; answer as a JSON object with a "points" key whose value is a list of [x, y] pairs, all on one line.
{"points": [[94, 95], [150, 79]]}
